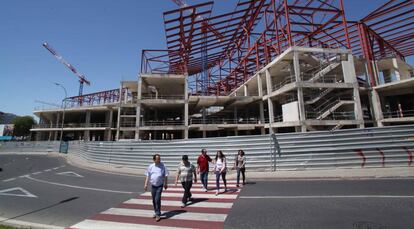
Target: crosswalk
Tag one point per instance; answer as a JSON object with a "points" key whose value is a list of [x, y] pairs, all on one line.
{"points": [[206, 211]]}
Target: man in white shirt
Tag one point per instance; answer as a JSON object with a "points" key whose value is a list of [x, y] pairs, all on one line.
{"points": [[157, 174]]}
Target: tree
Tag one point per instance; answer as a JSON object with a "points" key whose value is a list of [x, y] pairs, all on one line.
{"points": [[22, 125]]}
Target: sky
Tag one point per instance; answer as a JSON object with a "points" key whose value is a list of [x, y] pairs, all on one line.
{"points": [[102, 39]]}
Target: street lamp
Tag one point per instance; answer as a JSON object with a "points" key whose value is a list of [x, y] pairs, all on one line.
{"points": [[63, 115]]}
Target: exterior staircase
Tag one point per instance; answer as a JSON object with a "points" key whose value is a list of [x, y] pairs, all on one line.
{"points": [[319, 96], [331, 109], [324, 71]]}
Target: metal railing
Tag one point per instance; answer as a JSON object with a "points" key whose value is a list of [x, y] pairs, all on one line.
{"points": [[398, 114], [331, 78], [153, 96], [226, 121], [336, 115], [163, 123], [71, 125], [287, 80]]}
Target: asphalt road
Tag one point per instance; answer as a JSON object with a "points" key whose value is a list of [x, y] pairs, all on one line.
{"points": [[64, 194], [365, 204], [47, 190]]}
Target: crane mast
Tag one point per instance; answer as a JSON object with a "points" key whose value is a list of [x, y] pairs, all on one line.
{"points": [[82, 78]]}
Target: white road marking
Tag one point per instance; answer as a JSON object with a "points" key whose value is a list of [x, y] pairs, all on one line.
{"points": [[150, 213], [316, 197], [179, 188], [8, 192], [195, 195], [97, 224], [56, 168], [7, 180], [47, 170], [69, 173], [179, 203], [37, 173], [79, 187]]}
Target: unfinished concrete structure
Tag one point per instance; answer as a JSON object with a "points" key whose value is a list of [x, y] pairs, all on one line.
{"points": [[216, 80]]}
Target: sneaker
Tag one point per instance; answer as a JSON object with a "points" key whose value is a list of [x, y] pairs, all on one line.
{"points": [[183, 205], [153, 216], [157, 218], [205, 190], [237, 185], [217, 192]]}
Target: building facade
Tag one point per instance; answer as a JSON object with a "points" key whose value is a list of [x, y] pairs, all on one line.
{"points": [[303, 89]]}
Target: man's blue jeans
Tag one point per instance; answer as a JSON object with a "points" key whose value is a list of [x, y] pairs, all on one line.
{"points": [[204, 178], [156, 199]]}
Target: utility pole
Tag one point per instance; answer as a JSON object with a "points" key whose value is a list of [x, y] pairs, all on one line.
{"points": [[63, 115]]}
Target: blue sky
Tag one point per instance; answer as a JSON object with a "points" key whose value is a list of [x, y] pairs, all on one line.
{"points": [[103, 39]]}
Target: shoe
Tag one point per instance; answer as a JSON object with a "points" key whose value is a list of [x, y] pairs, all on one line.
{"points": [[183, 205], [157, 218], [205, 190], [237, 185], [153, 216], [217, 192]]}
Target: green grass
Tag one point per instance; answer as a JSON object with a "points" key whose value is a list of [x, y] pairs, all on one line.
{"points": [[6, 227]]}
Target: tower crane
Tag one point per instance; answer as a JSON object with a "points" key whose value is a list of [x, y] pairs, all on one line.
{"points": [[82, 78]]}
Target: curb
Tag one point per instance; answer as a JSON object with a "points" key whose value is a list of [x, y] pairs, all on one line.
{"points": [[24, 224]]}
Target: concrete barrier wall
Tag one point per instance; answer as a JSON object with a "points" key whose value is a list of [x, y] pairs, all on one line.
{"points": [[369, 147], [139, 154]]}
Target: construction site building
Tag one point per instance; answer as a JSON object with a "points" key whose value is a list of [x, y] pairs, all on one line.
{"points": [[306, 68]]}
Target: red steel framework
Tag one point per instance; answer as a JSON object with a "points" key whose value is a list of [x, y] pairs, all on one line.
{"points": [[232, 46], [246, 39]]}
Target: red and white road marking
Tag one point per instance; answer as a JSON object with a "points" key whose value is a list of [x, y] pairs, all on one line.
{"points": [[205, 211]]}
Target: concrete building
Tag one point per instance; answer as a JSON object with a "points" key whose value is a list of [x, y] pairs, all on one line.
{"points": [[303, 89]]}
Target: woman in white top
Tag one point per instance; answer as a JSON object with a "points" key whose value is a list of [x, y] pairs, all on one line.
{"points": [[220, 169]]}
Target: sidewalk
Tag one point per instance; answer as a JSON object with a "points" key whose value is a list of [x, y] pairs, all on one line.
{"points": [[331, 173]]}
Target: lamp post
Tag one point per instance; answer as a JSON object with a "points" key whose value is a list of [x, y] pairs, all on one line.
{"points": [[63, 114]]}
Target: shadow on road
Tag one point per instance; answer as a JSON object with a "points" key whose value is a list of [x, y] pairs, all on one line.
{"points": [[41, 209]]}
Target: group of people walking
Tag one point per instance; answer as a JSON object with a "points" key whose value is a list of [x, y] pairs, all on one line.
{"points": [[157, 175]]}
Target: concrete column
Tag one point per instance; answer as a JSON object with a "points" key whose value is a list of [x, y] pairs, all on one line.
{"points": [[301, 102], [109, 122], [126, 95], [261, 105], [348, 69], [245, 87], [396, 69], [137, 120], [87, 122], [118, 124], [58, 123], [38, 136], [376, 107], [138, 110], [269, 101], [186, 121]]}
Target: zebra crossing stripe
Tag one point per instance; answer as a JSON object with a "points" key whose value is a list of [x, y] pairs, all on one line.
{"points": [[177, 203], [99, 224], [205, 211]]}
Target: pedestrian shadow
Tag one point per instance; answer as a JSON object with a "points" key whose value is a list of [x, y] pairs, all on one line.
{"points": [[169, 214], [196, 200], [231, 190]]}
